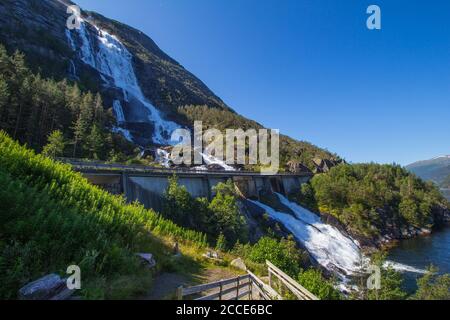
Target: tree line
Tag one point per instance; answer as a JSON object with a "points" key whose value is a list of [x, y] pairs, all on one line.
{"points": [[372, 199], [36, 111]]}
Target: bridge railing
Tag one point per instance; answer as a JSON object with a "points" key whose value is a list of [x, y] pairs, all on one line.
{"points": [[82, 164]]}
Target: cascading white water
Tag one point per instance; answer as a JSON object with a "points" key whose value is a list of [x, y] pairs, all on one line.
{"points": [[124, 132], [70, 40], [117, 106], [400, 267], [163, 157], [327, 245], [114, 62], [209, 159]]}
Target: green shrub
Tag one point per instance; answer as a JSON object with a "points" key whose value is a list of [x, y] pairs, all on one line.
{"points": [[433, 286], [221, 243], [225, 216], [282, 254], [314, 282], [220, 216]]}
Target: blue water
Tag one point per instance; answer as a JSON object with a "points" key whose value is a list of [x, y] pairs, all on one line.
{"points": [[420, 253]]}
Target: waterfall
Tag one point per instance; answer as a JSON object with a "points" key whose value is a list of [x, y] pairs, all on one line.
{"points": [[327, 245], [209, 159], [124, 132], [114, 63], [72, 70], [117, 106], [70, 40], [163, 157]]}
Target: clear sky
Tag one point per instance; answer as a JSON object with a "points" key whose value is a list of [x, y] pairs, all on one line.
{"points": [[312, 69]]}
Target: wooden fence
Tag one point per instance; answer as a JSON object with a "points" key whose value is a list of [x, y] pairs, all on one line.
{"points": [[249, 286], [230, 289]]}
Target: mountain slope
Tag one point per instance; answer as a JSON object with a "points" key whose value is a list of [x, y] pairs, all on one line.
{"points": [[143, 85], [436, 170]]}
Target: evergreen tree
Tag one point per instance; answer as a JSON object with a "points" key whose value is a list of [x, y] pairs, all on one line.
{"points": [[82, 124], [4, 96], [225, 216], [433, 286], [221, 243], [55, 146], [95, 143]]}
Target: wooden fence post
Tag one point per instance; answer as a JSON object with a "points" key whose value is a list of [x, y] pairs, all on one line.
{"points": [[270, 277], [180, 293]]}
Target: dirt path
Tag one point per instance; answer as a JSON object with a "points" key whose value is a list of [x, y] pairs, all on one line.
{"points": [[165, 285]]}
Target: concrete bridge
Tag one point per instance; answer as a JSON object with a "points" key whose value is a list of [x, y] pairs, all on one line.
{"points": [[148, 184]]}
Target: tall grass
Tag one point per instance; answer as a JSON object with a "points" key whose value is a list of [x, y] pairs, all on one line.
{"points": [[51, 217]]}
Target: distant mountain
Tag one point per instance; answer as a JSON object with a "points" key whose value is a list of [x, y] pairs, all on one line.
{"points": [[436, 170]]}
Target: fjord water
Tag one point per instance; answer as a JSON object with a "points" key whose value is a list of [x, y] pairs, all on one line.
{"points": [[419, 253]]}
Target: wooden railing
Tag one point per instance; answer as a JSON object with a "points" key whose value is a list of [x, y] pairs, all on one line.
{"points": [[249, 286], [299, 291], [230, 289]]}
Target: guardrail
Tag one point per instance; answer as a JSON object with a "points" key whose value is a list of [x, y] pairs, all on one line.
{"points": [[83, 165]]}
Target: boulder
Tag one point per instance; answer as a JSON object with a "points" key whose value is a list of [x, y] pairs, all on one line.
{"points": [[43, 288], [212, 255], [239, 264], [296, 167], [148, 259]]}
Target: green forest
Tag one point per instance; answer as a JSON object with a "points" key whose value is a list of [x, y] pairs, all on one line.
{"points": [[373, 200], [32, 108]]}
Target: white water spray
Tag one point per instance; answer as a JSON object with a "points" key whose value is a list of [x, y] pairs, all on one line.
{"points": [[326, 244], [114, 62]]}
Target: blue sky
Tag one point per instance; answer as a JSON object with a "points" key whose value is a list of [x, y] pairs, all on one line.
{"points": [[312, 69]]}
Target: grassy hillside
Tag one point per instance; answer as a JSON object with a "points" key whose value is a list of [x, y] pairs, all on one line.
{"points": [[51, 217]]}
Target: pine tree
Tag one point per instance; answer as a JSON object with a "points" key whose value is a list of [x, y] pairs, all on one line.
{"points": [[99, 113], [4, 97], [221, 243], [82, 123], [55, 146], [95, 143]]}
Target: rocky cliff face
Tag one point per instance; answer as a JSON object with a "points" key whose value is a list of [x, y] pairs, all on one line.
{"points": [[145, 103]]}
